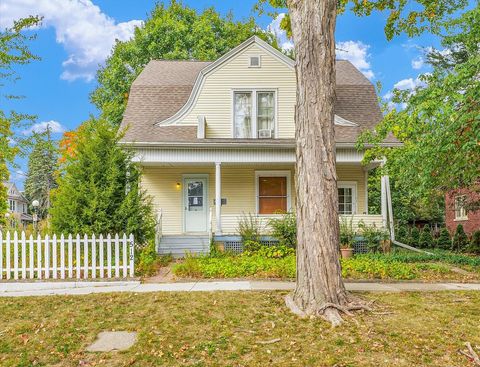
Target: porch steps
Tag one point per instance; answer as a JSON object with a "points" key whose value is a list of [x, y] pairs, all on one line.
{"points": [[180, 245]]}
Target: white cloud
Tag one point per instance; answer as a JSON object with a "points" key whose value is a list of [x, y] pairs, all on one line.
{"points": [[55, 127], [284, 42], [408, 84], [417, 63], [85, 32], [357, 53]]}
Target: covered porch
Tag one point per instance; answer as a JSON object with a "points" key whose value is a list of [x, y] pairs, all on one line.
{"points": [[204, 193]]}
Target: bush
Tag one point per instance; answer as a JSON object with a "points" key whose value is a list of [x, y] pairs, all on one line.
{"points": [[149, 261], [460, 239], [347, 233], [275, 252], [250, 228], [414, 237], [285, 229], [444, 241], [474, 246], [402, 234], [251, 246], [426, 238], [373, 235]]}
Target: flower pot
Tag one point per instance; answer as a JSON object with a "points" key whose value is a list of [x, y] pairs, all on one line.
{"points": [[346, 252]]}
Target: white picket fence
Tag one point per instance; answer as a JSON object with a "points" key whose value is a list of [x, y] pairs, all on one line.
{"points": [[79, 257]]}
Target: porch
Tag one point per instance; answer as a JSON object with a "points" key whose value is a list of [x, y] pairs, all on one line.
{"points": [[201, 193]]}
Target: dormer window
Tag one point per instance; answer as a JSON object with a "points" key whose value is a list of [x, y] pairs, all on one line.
{"points": [[254, 61], [254, 114]]}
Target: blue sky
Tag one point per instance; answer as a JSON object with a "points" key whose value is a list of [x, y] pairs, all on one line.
{"points": [[77, 36]]}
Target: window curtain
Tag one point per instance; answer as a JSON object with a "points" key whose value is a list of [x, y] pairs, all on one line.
{"points": [[243, 115]]}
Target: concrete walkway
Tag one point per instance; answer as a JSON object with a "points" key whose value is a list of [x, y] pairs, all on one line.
{"points": [[78, 288]]}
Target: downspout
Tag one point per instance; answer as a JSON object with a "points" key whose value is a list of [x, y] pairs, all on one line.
{"points": [[388, 203]]}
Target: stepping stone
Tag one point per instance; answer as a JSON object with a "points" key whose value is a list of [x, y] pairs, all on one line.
{"points": [[108, 341]]}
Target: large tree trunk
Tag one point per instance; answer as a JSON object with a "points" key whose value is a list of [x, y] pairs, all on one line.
{"points": [[319, 289]]}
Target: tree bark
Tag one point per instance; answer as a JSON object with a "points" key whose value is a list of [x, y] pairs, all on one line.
{"points": [[319, 288]]}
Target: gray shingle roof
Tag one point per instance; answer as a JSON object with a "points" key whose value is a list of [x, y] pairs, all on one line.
{"points": [[163, 87]]}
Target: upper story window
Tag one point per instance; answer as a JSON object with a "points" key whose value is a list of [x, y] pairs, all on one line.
{"points": [[254, 114], [13, 205], [460, 212], [254, 61]]}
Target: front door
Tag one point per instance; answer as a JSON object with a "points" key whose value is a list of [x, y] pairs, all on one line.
{"points": [[195, 204]]}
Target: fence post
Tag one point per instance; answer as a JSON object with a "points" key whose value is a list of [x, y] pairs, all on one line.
{"points": [[117, 257], [47, 257], [62, 256], [124, 254], [132, 255], [54, 256], [100, 252], [31, 254], [24, 256], [94, 257], [109, 255], [7, 257], [85, 257], [39, 257], [70, 256], [15, 255], [77, 256]]}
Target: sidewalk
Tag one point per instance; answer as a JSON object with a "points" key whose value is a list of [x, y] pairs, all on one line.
{"points": [[78, 288]]}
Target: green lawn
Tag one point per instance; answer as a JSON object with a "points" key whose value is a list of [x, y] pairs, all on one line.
{"points": [[228, 328]]}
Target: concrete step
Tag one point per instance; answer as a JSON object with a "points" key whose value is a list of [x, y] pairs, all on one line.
{"points": [[179, 246]]}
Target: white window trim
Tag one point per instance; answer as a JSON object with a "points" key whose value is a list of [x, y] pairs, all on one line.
{"points": [[254, 92], [259, 61], [350, 185], [464, 216], [287, 174]]}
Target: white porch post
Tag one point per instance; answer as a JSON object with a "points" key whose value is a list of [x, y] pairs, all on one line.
{"points": [[383, 197], [218, 198]]}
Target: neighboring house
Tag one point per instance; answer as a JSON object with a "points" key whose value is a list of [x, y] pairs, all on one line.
{"points": [[456, 203], [217, 141], [17, 205]]}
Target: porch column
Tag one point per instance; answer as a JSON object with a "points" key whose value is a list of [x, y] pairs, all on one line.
{"points": [[218, 198], [383, 198]]}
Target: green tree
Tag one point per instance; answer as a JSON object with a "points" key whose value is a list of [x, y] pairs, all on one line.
{"points": [[402, 233], [414, 238], [98, 190], [460, 239], [426, 238], [173, 32], [407, 206], [439, 126], [14, 51], [444, 241], [474, 246], [42, 163], [319, 288]]}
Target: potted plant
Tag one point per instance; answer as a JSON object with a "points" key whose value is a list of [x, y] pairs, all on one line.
{"points": [[347, 237]]}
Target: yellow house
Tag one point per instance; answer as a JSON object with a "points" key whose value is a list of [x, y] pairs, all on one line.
{"points": [[217, 141]]}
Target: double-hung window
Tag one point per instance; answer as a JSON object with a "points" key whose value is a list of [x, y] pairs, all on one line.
{"points": [[13, 205], [254, 114], [273, 191], [347, 197]]}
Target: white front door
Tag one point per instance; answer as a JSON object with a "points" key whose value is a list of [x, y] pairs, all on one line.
{"points": [[195, 204]]}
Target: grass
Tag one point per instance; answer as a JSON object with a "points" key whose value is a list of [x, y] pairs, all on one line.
{"points": [[395, 266], [226, 328]]}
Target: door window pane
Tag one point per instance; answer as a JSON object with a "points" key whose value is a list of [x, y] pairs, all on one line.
{"points": [[243, 115], [266, 111], [195, 195], [272, 195]]}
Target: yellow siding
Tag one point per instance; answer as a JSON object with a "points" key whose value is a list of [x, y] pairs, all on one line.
{"points": [[238, 187], [215, 97]]}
